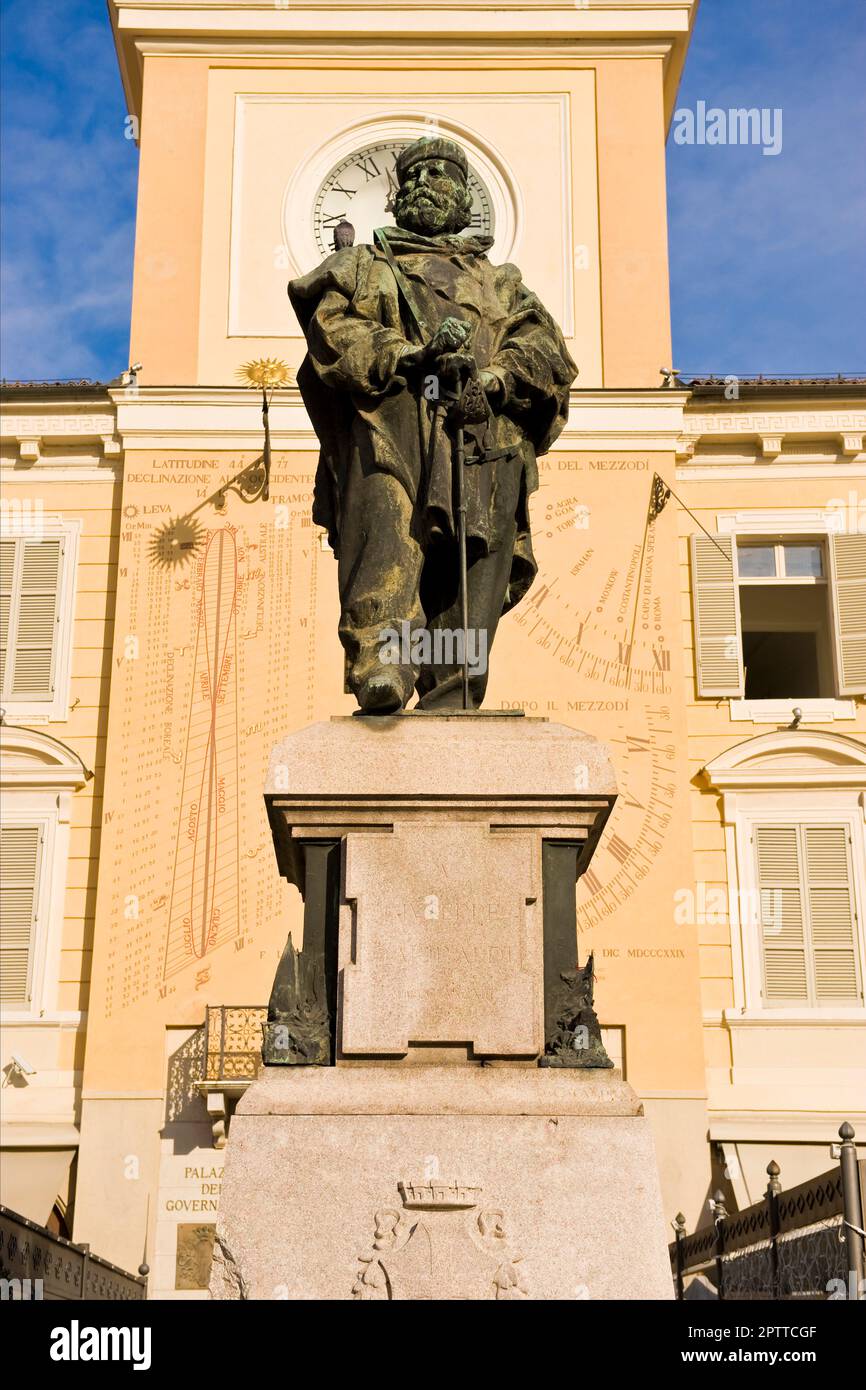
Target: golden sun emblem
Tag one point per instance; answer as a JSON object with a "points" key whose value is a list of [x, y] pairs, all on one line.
{"points": [[267, 373], [178, 540]]}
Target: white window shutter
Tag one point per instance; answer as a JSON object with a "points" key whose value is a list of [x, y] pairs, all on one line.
{"points": [[831, 914], [7, 581], [716, 610], [33, 620], [782, 917], [20, 853], [808, 917], [848, 580]]}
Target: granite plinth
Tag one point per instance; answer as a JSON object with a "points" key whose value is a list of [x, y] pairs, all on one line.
{"points": [[441, 821], [440, 1183]]}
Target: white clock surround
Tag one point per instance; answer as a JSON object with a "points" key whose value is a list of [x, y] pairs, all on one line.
{"points": [[365, 206], [489, 166], [258, 231]]}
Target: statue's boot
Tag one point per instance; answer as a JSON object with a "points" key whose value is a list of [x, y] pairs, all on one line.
{"points": [[382, 693], [447, 694]]}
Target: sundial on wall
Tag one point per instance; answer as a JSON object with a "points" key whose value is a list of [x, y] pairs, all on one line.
{"points": [[616, 660], [360, 189]]}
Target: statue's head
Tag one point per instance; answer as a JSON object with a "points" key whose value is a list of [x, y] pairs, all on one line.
{"points": [[433, 195]]}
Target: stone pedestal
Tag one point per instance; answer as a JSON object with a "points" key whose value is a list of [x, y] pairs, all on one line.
{"points": [[429, 1182], [458, 1147], [442, 820]]}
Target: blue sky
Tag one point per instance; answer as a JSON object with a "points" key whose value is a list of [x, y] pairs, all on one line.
{"points": [[768, 254]]}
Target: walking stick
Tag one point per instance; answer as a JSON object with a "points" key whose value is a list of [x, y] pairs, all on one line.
{"points": [[266, 455], [470, 406], [460, 452]]}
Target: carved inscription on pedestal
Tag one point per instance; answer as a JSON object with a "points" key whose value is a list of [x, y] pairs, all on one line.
{"points": [[441, 941]]}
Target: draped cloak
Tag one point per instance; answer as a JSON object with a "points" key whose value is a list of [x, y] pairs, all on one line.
{"points": [[367, 414]]}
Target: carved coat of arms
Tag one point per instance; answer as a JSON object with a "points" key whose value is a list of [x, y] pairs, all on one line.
{"points": [[441, 1245]]}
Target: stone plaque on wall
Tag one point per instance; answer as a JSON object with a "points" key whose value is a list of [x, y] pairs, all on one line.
{"points": [[194, 1256]]}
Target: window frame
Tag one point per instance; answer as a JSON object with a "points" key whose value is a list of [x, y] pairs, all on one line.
{"points": [[55, 708], [777, 526], [39, 777], [790, 809], [778, 545], [800, 824], [786, 777], [42, 818], [790, 623]]}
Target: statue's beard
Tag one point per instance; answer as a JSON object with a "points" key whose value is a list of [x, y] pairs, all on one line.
{"points": [[427, 211]]}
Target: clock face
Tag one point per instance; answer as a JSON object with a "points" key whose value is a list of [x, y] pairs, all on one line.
{"points": [[361, 188]]}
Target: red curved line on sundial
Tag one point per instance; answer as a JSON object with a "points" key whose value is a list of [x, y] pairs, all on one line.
{"points": [[216, 615]]}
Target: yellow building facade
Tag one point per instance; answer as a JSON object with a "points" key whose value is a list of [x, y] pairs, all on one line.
{"points": [[716, 642]]}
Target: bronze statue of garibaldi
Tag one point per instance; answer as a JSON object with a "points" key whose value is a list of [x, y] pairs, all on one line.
{"points": [[417, 345]]}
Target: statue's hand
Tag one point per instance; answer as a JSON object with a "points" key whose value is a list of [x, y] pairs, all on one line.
{"points": [[492, 384], [454, 364], [451, 335]]}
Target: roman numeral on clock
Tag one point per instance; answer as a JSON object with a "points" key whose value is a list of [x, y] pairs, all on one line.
{"points": [[331, 219], [369, 168]]}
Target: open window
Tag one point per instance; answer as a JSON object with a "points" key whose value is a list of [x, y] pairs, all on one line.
{"points": [[780, 617], [786, 620]]}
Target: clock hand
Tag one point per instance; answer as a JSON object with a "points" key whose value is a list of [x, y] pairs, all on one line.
{"points": [[393, 189]]}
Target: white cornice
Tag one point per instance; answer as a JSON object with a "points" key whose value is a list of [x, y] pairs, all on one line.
{"points": [[797, 758], [764, 1126], [219, 419], [60, 470], [145, 21], [34, 760], [39, 1134], [347, 33], [454, 48], [754, 438], [769, 417], [37, 427]]}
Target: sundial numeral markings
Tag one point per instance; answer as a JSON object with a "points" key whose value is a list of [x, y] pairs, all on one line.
{"points": [[618, 848], [542, 594]]}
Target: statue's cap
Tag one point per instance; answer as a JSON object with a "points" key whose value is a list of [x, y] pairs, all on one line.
{"points": [[431, 147]]}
